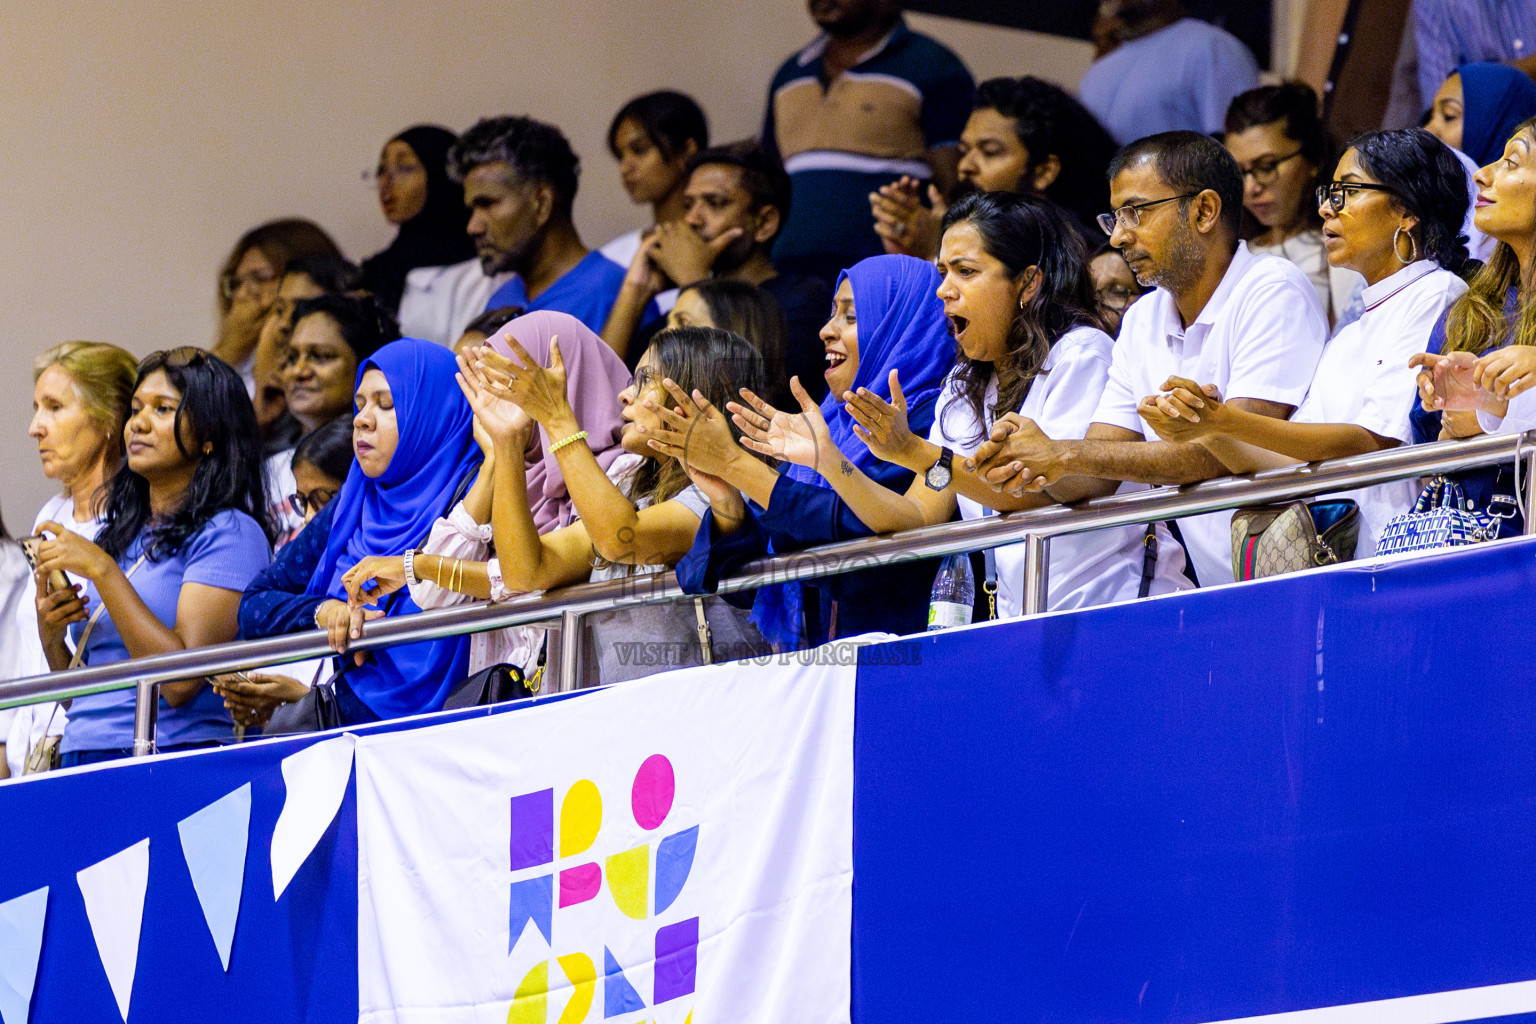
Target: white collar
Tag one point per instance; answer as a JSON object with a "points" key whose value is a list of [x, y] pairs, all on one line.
{"points": [[818, 46], [1374, 295]]}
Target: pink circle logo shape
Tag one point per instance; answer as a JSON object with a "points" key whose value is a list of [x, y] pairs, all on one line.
{"points": [[651, 796]]}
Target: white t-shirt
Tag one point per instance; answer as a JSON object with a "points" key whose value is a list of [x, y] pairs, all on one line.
{"points": [[439, 301], [1259, 336], [1087, 568], [1364, 377], [622, 250], [32, 720], [1336, 287]]}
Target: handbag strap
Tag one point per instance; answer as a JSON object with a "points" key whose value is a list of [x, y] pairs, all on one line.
{"points": [[85, 634], [706, 647]]}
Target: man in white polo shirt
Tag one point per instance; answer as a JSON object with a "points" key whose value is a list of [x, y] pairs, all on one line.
{"points": [[1251, 325]]}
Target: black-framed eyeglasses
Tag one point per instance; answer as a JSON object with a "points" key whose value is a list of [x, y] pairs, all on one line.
{"points": [[1334, 194], [1266, 171], [645, 376], [1129, 215], [303, 502]]}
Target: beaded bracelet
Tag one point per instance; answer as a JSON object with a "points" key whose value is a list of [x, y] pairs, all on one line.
{"points": [[578, 436], [409, 564]]}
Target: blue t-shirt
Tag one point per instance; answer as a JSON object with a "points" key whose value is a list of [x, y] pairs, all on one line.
{"points": [[226, 553], [1182, 77], [587, 292]]}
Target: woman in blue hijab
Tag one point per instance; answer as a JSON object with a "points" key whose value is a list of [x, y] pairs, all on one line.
{"points": [[415, 453], [885, 316], [1479, 107]]}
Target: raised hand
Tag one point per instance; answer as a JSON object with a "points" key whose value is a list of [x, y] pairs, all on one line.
{"points": [[539, 391], [787, 437], [904, 225], [883, 425], [694, 433], [495, 414], [684, 256]]}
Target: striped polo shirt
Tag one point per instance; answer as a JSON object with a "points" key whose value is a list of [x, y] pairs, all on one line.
{"points": [[842, 138]]}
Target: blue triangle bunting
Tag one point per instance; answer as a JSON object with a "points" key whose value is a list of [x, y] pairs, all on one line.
{"points": [[213, 840], [21, 944]]}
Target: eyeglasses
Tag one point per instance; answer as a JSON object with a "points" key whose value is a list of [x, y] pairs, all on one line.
{"points": [[645, 377], [1265, 171], [231, 284], [1334, 194], [1129, 215], [1117, 296], [316, 500]]}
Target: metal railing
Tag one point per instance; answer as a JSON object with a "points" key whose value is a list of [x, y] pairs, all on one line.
{"points": [[562, 610]]}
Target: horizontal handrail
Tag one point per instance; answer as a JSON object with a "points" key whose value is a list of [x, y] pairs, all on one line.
{"points": [[1034, 527]]}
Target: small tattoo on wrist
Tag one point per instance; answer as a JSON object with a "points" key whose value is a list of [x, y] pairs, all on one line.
{"points": [[846, 467]]}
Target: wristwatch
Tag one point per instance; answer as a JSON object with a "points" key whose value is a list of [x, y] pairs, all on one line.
{"points": [[939, 474]]}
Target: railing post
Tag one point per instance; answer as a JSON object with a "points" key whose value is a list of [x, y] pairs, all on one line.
{"points": [[1037, 567], [1529, 486], [146, 713], [570, 651]]}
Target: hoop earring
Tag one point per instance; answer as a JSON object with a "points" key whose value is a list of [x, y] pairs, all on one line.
{"points": [[1413, 253]]}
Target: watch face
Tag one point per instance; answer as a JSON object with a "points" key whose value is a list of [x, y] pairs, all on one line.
{"points": [[938, 476]]}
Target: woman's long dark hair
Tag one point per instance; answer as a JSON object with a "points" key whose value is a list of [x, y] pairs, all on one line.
{"points": [[1020, 232], [214, 411], [751, 312], [1292, 105], [708, 359]]}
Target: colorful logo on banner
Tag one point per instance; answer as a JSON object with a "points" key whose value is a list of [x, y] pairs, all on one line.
{"points": [[630, 885]]}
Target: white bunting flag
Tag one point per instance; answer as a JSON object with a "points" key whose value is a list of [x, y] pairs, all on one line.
{"points": [[114, 903], [316, 780]]}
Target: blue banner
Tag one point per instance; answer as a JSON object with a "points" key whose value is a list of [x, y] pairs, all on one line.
{"points": [[1309, 792]]}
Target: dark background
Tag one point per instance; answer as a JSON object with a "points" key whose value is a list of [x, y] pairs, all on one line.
{"points": [[1249, 20]]}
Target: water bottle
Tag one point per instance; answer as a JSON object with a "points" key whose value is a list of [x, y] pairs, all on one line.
{"points": [[954, 594]]}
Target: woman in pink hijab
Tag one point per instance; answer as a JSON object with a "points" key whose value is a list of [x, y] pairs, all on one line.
{"points": [[465, 568]]}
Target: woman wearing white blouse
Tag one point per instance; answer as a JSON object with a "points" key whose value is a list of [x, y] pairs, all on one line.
{"points": [[81, 391], [1393, 213]]}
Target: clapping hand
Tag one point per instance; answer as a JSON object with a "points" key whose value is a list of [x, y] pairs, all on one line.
{"points": [[786, 437], [883, 425], [495, 413]]}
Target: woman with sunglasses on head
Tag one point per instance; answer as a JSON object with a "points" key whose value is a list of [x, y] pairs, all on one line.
{"points": [[1392, 213], [458, 562], [185, 530], [637, 515], [1277, 136]]}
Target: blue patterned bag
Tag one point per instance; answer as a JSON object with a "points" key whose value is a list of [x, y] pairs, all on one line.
{"points": [[1442, 518]]}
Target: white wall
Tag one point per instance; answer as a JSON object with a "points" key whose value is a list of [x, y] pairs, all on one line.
{"points": [[137, 141]]}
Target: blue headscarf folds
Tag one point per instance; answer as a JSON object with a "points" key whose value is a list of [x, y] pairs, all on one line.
{"points": [[1494, 99], [435, 454], [901, 327]]}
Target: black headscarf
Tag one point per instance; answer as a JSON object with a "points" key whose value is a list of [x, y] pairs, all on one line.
{"points": [[434, 237]]}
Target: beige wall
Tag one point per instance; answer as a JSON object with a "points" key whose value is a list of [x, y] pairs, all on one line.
{"points": [[137, 141]]}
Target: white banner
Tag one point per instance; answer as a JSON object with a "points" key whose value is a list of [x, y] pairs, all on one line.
{"points": [[676, 849]]}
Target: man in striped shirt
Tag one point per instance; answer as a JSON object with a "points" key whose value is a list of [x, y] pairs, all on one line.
{"points": [[868, 101]]}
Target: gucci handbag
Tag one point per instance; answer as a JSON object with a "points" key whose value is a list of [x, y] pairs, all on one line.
{"points": [[1443, 517], [1268, 540]]}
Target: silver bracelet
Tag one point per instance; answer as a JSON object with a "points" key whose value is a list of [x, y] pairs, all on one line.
{"points": [[410, 568]]}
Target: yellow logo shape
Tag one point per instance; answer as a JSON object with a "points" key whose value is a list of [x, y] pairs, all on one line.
{"points": [[581, 815]]}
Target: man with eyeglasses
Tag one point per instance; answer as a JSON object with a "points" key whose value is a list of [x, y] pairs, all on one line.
{"points": [[1251, 325]]}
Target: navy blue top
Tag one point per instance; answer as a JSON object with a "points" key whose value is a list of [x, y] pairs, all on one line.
{"points": [[276, 601], [891, 598]]}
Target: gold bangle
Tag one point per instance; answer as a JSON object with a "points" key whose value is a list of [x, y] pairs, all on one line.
{"points": [[578, 436], [437, 577]]}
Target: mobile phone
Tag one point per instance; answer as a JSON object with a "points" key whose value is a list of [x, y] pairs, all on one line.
{"points": [[56, 579]]}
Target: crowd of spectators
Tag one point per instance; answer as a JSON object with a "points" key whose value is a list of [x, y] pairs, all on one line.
{"points": [[911, 299]]}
